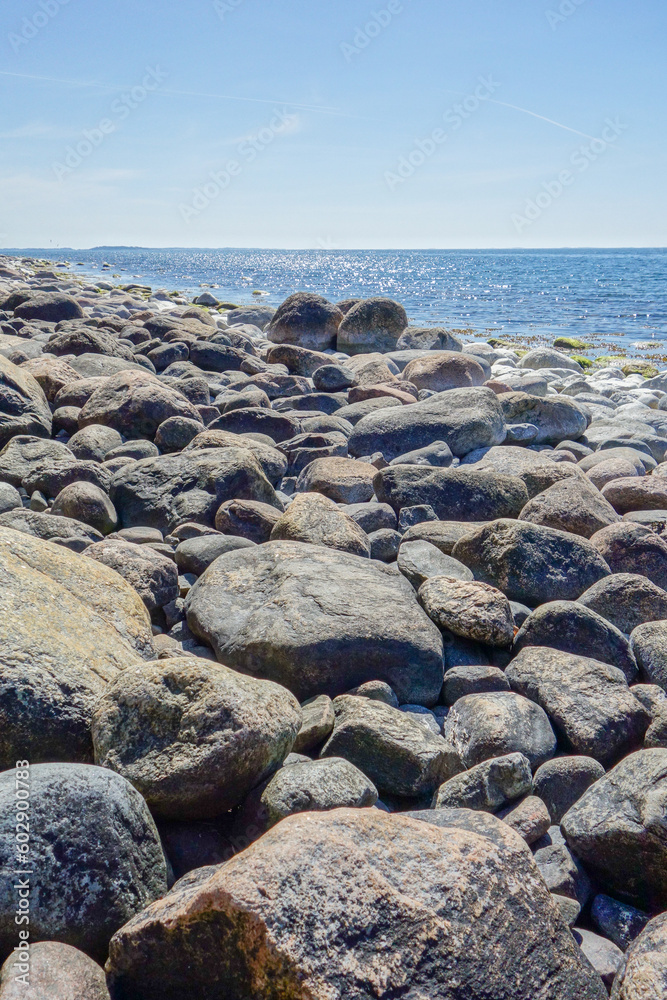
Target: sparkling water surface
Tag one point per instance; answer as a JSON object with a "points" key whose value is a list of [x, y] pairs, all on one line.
{"points": [[607, 297]]}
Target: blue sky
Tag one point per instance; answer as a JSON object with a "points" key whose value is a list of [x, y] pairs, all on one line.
{"points": [[294, 124]]}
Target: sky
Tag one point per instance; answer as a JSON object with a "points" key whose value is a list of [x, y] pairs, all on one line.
{"points": [[296, 124]]}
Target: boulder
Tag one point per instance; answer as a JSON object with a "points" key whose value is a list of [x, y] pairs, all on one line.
{"points": [[82, 339], [96, 849], [617, 829], [10, 498], [625, 495], [570, 505], [305, 320], [428, 338], [618, 921], [297, 360], [418, 561], [321, 878], [50, 477], [24, 452], [438, 454], [642, 973], [258, 420], [154, 576], [401, 756], [24, 408], [194, 555], [54, 971], [464, 419], [68, 626], [530, 563], [190, 486], [537, 471], [341, 479], [633, 548], [495, 724], [372, 325], [529, 818], [317, 725], [443, 534], [627, 600], [135, 403], [649, 646], [272, 461], [314, 518], [250, 519], [487, 786], [548, 357], [87, 503], [442, 370], [94, 442], [557, 418], [306, 786], [454, 494], [52, 374], [469, 609], [317, 621], [575, 628], [471, 679], [561, 782], [194, 737], [51, 307], [589, 703], [65, 531], [603, 955]]}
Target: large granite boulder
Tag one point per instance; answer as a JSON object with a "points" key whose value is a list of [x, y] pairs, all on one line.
{"points": [[643, 971], [557, 418], [465, 419], [357, 904], [68, 626], [372, 325], [95, 856], [317, 621], [454, 494], [305, 320], [190, 486], [194, 737]]}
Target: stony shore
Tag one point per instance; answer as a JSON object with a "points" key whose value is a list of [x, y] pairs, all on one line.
{"points": [[333, 652]]}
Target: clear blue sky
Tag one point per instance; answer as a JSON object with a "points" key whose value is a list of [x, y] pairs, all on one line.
{"points": [[315, 120]]}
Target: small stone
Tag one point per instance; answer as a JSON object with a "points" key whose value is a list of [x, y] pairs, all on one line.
{"points": [[482, 726], [472, 679], [317, 725], [562, 781], [618, 921], [419, 561], [529, 817]]}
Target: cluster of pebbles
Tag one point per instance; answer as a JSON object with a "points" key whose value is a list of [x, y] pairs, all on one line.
{"points": [[338, 652]]}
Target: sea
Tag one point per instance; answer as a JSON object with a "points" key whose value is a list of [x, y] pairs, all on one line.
{"points": [[614, 299]]}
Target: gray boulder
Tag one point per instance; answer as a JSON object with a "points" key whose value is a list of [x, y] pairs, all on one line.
{"points": [[627, 600], [55, 971], [467, 608], [617, 829], [633, 548], [454, 494], [419, 560], [314, 518], [51, 307], [570, 505], [529, 563], [317, 621], [472, 679], [557, 418], [649, 645], [464, 419], [574, 628], [96, 849], [372, 325], [154, 576], [135, 403], [401, 756], [562, 781], [618, 921], [487, 786], [87, 503], [195, 555], [49, 527], [495, 724], [642, 974], [24, 408], [317, 724], [589, 703], [305, 320]]}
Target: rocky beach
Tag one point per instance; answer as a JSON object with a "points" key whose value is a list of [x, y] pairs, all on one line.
{"points": [[333, 653]]}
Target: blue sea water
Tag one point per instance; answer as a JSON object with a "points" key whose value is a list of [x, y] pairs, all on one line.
{"points": [[608, 297]]}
